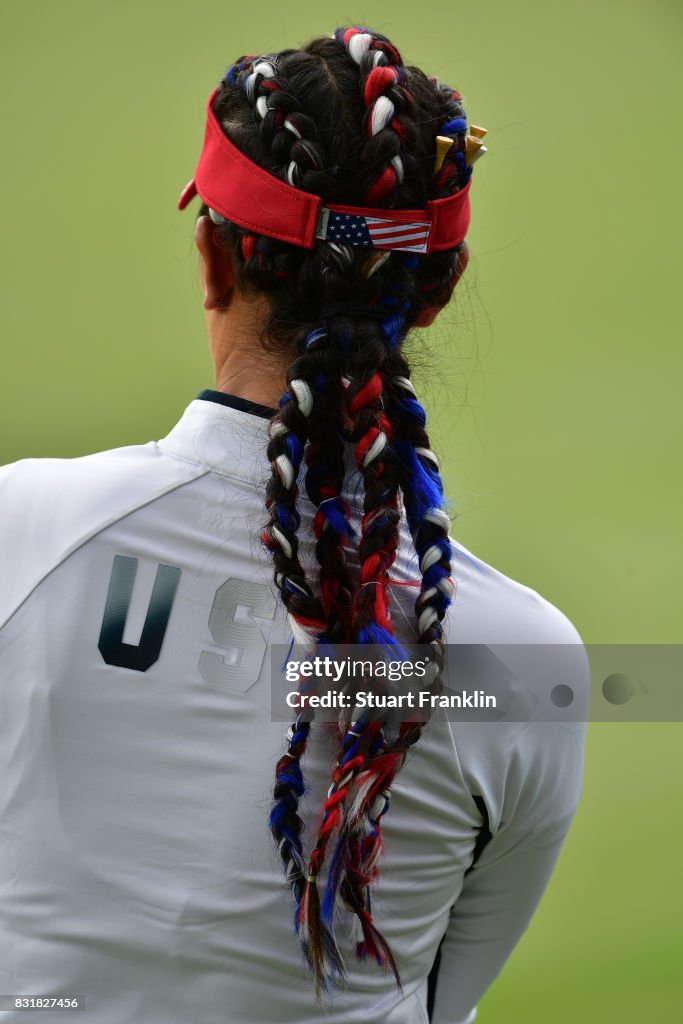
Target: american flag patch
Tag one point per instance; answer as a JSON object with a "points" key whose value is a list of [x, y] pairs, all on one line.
{"points": [[373, 232]]}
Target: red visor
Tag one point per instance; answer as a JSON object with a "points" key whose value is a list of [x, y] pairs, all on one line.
{"points": [[249, 196]]}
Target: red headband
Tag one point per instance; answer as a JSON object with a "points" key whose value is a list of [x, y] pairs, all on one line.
{"points": [[246, 194]]}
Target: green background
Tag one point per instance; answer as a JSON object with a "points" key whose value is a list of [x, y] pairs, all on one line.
{"points": [[553, 381]]}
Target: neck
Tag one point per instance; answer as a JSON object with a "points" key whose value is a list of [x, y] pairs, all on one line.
{"points": [[243, 367], [260, 382]]}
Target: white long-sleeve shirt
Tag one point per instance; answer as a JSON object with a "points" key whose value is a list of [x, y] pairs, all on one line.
{"points": [[137, 755]]}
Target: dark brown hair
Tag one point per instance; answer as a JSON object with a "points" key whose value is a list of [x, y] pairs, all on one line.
{"points": [[345, 119]]}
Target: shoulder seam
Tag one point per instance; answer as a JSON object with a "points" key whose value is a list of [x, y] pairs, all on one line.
{"points": [[89, 536]]}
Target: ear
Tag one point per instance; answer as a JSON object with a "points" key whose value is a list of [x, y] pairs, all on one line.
{"points": [[216, 270], [429, 315]]}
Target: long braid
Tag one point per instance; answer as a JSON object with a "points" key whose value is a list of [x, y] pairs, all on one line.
{"points": [[289, 430], [356, 858], [356, 855], [370, 433], [324, 482], [345, 312], [302, 418], [284, 129], [380, 524], [429, 525], [422, 487]]}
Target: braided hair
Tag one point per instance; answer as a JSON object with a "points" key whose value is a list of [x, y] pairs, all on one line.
{"points": [[346, 119]]}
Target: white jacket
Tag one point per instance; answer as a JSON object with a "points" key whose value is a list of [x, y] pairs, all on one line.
{"points": [[137, 767]]}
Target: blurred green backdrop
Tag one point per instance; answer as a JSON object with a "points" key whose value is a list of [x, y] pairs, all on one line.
{"points": [[553, 382]]}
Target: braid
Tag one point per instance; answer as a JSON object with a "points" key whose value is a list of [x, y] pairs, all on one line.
{"points": [[359, 795], [345, 119], [302, 418], [288, 432], [325, 482], [355, 859], [289, 134], [370, 433], [283, 130], [360, 792], [428, 520], [385, 97]]}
